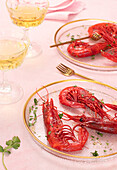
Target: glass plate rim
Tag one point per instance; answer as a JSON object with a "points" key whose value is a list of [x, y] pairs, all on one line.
{"points": [[48, 147], [73, 60]]}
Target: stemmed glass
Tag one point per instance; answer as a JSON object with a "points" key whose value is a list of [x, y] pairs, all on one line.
{"points": [[13, 49], [26, 14]]}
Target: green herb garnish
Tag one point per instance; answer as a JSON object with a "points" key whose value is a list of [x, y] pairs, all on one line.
{"points": [[14, 143], [93, 57], [61, 115], [108, 45], [72, 39], [29, 109], [68, 35], [99, 133], [95, 153], [51, 125], [49, 132], [102, 101], [107, 143], [35, 101], [92, 136]]}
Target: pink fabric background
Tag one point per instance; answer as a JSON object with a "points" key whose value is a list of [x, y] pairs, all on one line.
{"points": [[40, 71]]}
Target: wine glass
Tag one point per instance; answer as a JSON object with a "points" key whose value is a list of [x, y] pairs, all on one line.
{"points": [[13, 49], [28, 13]]}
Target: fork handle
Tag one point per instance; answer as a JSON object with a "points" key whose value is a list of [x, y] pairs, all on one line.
{"points": [[67, 42], [96, 81], [83, 76]]}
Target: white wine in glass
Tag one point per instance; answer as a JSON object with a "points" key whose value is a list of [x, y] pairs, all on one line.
{"points": [[26, 14], [13, 50]]}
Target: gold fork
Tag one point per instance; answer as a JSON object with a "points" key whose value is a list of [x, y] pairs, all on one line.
{"points": [[69, 72]]}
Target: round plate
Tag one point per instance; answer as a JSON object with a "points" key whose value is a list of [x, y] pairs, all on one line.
{"points": [[104, 143], [78, 29]]}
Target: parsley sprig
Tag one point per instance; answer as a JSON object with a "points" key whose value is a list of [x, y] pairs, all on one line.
{"points": [[13, 143]]}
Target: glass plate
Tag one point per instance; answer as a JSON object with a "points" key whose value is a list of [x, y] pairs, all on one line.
{"points": [[105, 145], [79, 29]]}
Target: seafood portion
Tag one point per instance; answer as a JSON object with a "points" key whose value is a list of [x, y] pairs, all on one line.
{"points": [[108, 31], [81, 49], [102, 125], [78, 97], [111, 54], [60, 136]]}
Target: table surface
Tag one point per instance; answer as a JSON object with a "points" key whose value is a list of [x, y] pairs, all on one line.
{"points": [[40, 71]]}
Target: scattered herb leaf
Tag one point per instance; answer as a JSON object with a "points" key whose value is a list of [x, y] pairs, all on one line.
{"points": [[61, 115], [92, 136], [14, 143], [107, 143], [95, 153], [68, 35], [93, 57], [51, 125], [35, 101], [49, 132], [72, 39], [102, 101], [99, 133]]}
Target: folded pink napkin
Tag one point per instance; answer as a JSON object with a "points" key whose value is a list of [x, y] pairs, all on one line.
{"points": [[63, 9]]}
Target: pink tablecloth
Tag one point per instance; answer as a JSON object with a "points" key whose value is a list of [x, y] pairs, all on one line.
{"points": [[40, 71]]}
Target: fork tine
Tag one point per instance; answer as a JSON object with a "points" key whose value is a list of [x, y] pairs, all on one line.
{"points": [[64, 66], [60, 69], [67, 68]]}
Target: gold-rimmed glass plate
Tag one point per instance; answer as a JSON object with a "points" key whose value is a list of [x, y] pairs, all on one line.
{"points": [[78, 29], [105, 145]]}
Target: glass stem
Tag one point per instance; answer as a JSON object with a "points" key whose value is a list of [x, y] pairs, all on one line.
{"points": [[26, 36], [3, 79], [26, 33], [4, 87]]}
